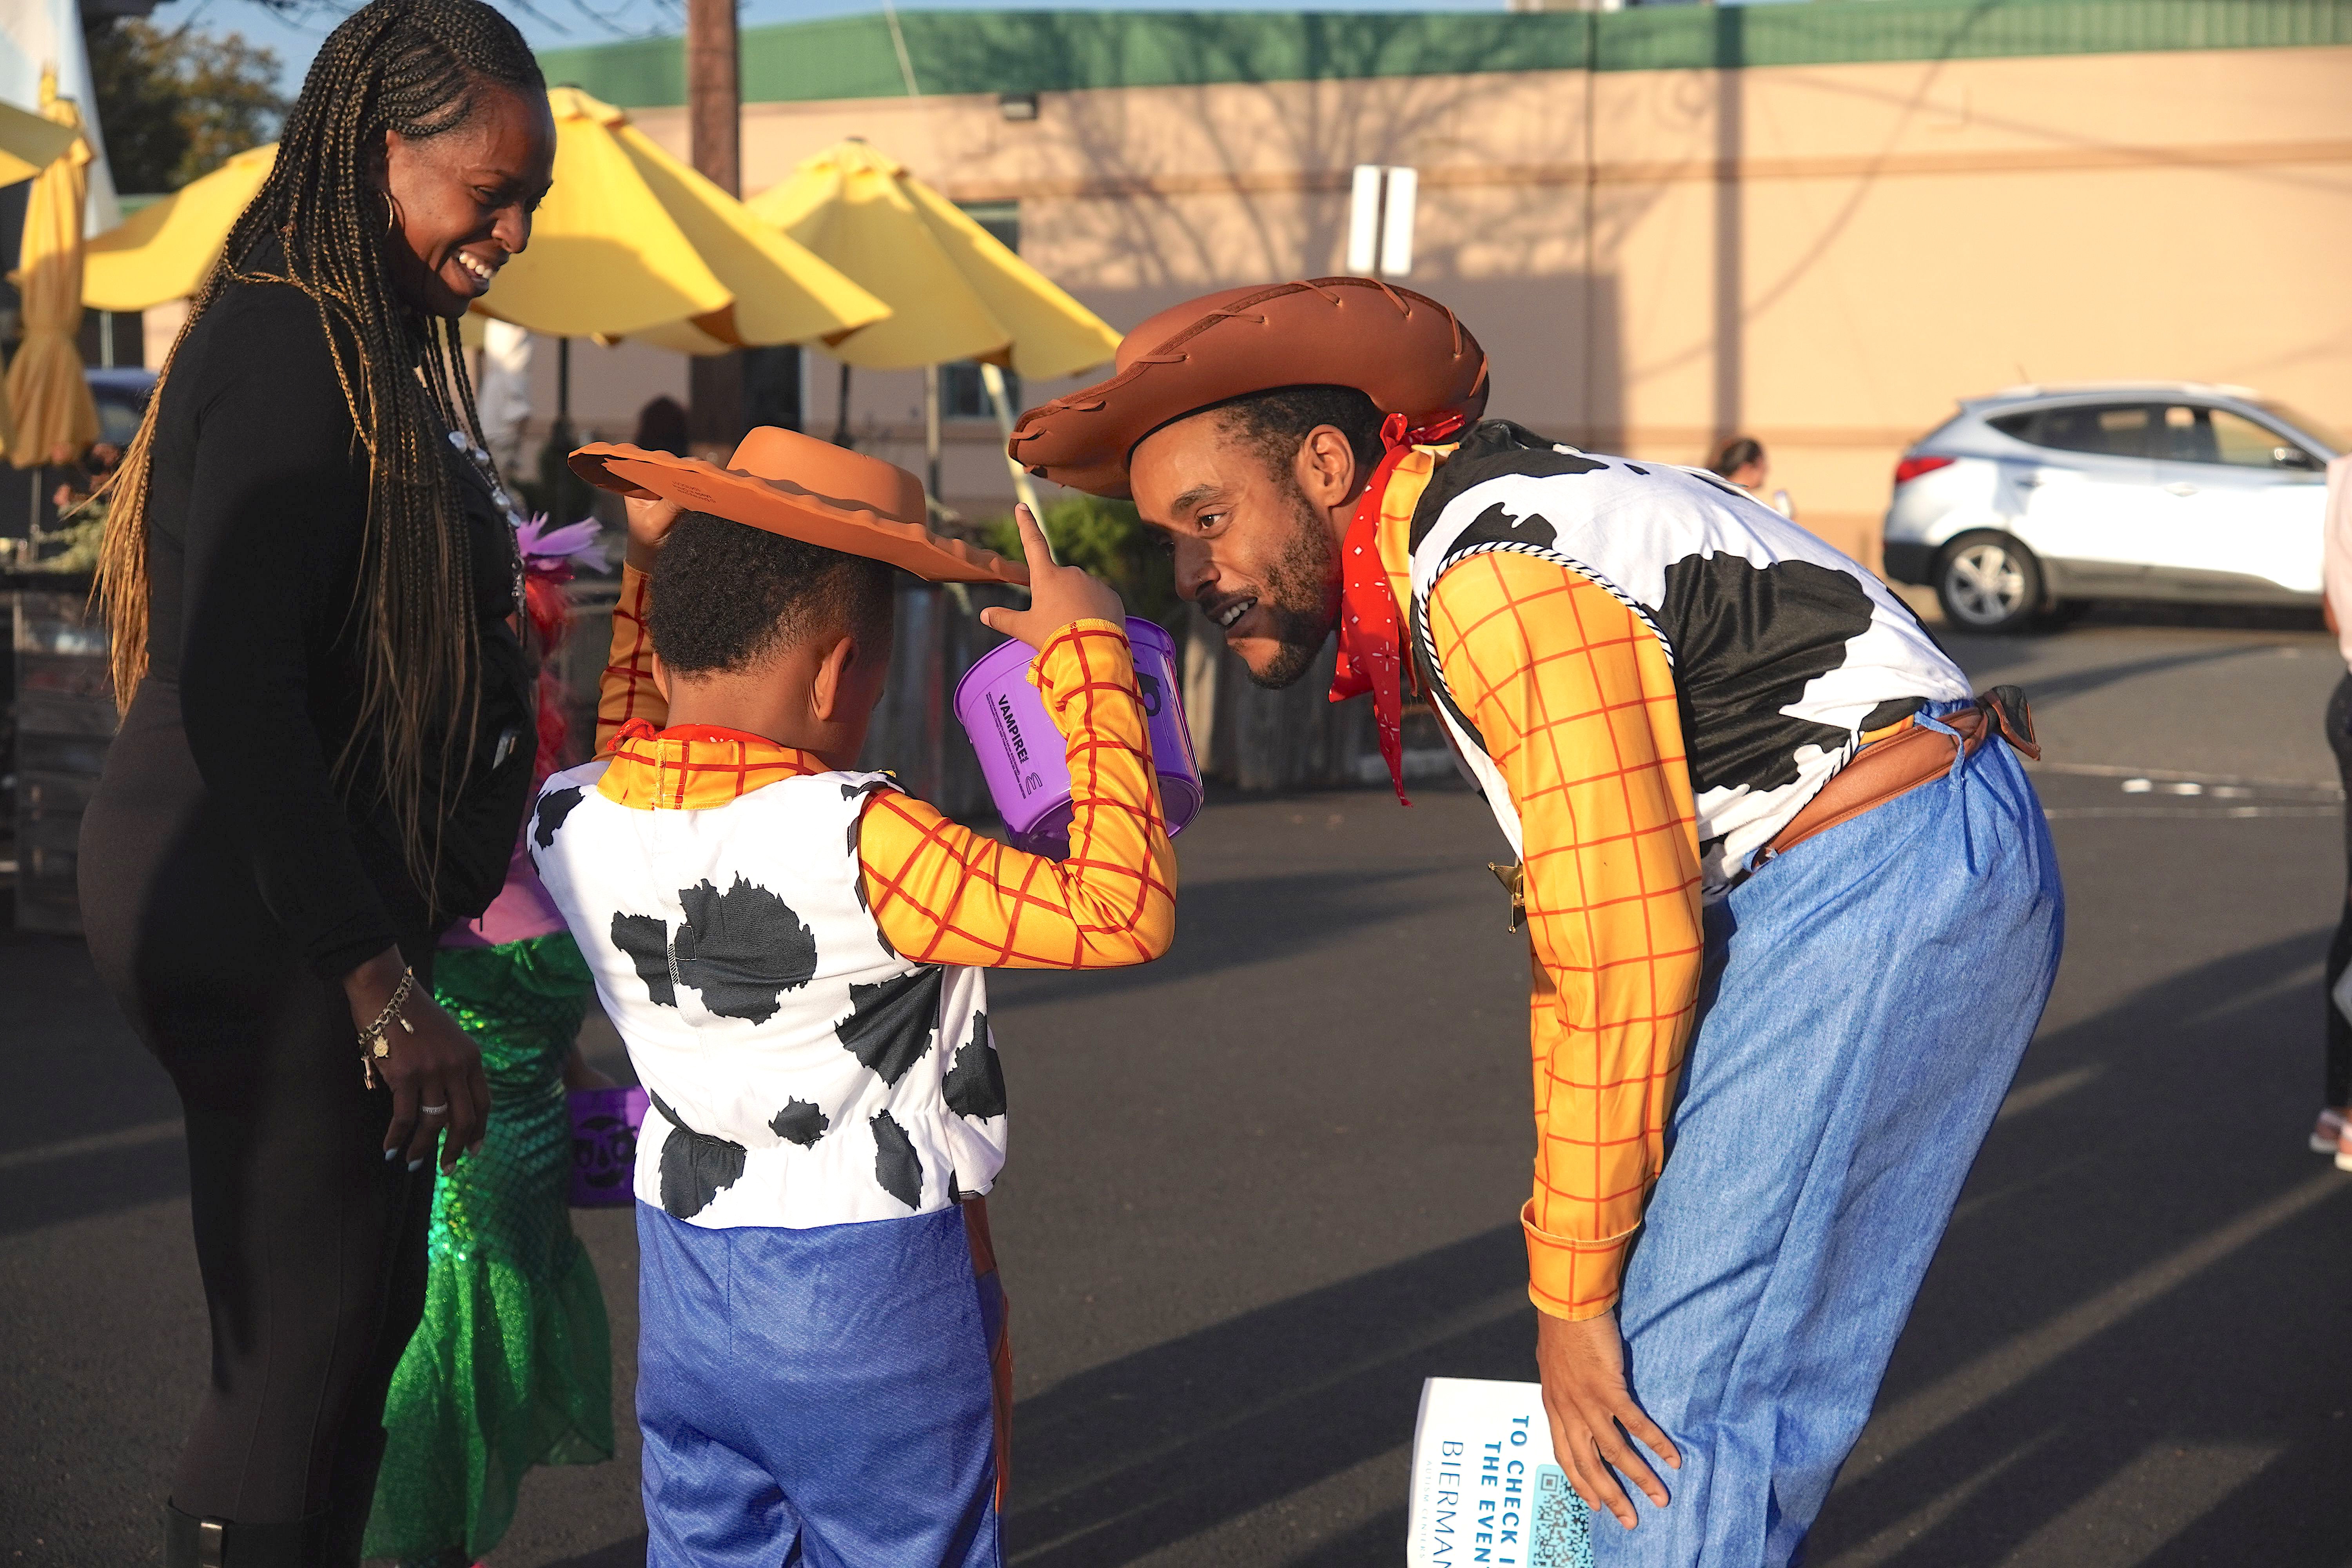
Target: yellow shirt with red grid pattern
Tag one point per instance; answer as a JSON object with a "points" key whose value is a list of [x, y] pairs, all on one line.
{"points": [[1575, 699], [941, 892]]}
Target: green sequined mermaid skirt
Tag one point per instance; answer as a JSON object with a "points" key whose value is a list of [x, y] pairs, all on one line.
{"points": [[512, 1365]]}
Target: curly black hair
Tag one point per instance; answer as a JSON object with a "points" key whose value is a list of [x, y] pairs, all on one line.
{"points": [[1278, 423], [728, 597]]}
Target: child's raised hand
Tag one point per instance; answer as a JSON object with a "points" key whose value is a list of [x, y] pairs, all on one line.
{"points": [[1057, 594], [649, 520]]}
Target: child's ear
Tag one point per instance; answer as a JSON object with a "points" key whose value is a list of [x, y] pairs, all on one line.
{"points": [[661, 676], [831, 671]]}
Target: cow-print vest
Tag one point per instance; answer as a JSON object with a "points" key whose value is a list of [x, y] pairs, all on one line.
{"points": [[802, 1073], [1784, 652]]}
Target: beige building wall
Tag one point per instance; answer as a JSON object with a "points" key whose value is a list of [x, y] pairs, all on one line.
{"points": [[1825, 256]]}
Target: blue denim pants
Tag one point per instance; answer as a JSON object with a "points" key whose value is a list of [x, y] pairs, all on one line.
{"points": [[817, 1398], [1866, 1000]]}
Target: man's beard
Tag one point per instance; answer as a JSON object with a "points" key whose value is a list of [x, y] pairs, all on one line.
{"points": [[1301, 595]]}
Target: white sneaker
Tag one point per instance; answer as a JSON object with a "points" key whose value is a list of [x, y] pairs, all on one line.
{"points": [[2327, 1134]]}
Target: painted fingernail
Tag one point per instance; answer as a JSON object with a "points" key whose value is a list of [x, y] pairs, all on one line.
{"points": [[415, 1166], [390, 1155]]}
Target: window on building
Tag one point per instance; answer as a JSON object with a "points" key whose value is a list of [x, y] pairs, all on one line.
{"points": [[961, 394]]}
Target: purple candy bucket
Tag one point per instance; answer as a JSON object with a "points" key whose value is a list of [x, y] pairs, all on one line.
{"points": [[1021, 753], [604, 1123]]}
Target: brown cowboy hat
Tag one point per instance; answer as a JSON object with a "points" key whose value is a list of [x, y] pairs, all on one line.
{"points": [[806, 489], [1404, 350]]}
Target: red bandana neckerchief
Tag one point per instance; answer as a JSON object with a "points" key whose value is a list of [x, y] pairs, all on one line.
{"points": [[1370, 641]]}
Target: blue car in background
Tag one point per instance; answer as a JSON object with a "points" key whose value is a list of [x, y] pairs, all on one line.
{"points": [[122, 395]]}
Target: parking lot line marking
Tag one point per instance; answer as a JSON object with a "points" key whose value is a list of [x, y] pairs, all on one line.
{"points": [[1964, 1392], [2207, 814], [2043, 1090], [2327, 787], [97, 1143]]}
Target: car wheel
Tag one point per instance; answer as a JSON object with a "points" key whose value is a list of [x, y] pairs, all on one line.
{"points": [[1988, 582]]}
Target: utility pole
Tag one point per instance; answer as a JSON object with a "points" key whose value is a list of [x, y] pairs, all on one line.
{"points": [[714, 99]]}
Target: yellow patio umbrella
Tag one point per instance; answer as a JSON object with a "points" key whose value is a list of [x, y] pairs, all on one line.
{"points": [[631, 239], [30, 142], [955, 291], [166, 249], [54, 415]]}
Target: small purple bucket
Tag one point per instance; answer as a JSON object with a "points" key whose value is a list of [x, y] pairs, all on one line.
{"points": [[1021, 752], [604, 1123]]}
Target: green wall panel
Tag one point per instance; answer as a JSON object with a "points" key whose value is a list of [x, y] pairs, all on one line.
{"points": [[1047, 51]]}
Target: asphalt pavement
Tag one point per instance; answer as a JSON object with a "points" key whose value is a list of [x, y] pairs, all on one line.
{"points": [[1260, 1190]]}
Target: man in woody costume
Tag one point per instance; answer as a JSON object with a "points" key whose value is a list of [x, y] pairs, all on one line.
{"points": [[1792, 904]]}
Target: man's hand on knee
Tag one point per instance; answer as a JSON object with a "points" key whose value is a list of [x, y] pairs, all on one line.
{"points": [[1582, 1364]]}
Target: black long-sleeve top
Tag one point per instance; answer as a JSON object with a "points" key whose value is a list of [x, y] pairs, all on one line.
{"points": [[258, 518]]}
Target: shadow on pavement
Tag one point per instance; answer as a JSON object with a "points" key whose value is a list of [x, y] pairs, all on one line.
{"points": [[89, 1122], [2050, 688], [1157, 1446], [2084, 1334], [620, 1554], [2227, 617]]}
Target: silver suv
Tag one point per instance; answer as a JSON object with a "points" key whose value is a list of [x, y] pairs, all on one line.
{"points": [[2034, 499]]}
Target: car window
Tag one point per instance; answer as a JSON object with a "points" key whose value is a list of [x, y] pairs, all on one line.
{"points": [[2240, 442], [2185, 435], [2192, 433], [2294, 419], [118, 421], [2109, 429]]}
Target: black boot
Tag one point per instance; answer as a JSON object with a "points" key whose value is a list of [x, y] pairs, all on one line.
{"points": [[350, 1500], [193, 1542]]}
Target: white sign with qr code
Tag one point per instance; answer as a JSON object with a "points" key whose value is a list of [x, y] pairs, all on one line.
{"points": [[1485, 1489]]}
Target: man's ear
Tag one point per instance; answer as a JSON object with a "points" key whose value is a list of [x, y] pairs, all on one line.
{"points": [[661, 676], [1326, 470], [832, 672]]}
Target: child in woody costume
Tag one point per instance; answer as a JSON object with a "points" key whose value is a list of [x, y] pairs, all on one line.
{"points": [[1717, 748], [791, 951]]}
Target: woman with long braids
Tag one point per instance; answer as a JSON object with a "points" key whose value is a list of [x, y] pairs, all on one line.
{"points": [[308, 576]]}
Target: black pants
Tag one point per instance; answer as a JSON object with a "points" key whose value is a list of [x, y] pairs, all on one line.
{"points": [[311, 1245], [2339, 951]]}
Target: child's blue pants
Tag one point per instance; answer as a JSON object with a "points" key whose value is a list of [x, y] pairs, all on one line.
{"points": [[818, 1398], [1867, 999]]}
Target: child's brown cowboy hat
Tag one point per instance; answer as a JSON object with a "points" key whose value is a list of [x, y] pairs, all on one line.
{"points": [[806, 489], [1404, 350]]}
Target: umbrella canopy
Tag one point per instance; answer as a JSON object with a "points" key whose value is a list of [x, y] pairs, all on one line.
{"points": [[630, 238], [955, 292], [30, 142], [163, 253], [54, 415]]}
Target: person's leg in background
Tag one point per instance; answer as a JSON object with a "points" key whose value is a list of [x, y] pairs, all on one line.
{"points": [[1870, 995], [2333, 1135], [996, 1327], [312, 1250], [307, 1240]]}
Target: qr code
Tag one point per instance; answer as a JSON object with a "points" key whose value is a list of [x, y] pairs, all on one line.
{"points": [[1561, 1536]]}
